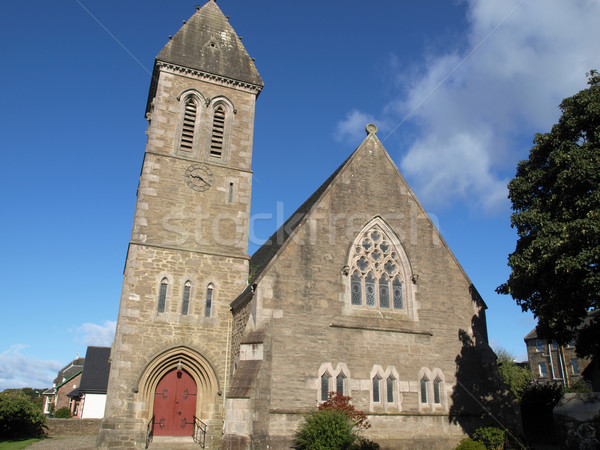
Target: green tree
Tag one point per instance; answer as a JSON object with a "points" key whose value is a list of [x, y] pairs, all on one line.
{"points": [[19, 417], [514, 376], [556, 202]]}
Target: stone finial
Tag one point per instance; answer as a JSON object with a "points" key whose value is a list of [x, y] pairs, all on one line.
{"points": [[371, 129]]}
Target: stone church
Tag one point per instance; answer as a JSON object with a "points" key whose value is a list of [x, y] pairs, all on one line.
{"points": [[356, 293]]}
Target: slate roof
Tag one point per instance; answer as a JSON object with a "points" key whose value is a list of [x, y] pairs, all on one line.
{"points": [[94, 379], [207, 42], [69, 371], [591, 315]]}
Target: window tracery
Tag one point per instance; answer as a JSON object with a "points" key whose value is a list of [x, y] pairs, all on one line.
{"points": [[377, 278]]}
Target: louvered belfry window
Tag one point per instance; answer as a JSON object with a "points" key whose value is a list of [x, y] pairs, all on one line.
{"points": [[189, 125], [218, 132]]}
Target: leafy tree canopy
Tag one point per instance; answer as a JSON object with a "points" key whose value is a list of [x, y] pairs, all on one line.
{"points": [[514, 376], [556, 202]]}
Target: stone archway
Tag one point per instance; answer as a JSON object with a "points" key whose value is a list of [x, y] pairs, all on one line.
{"points": [[197, 376]]}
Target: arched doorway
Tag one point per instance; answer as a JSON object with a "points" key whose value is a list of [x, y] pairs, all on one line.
{"points": [[175, 404]]}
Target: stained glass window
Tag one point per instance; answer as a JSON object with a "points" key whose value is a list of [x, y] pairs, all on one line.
{"points": [[186, 298], [162, 295], [377, 275], [424, 381], [370, 289], [356, 289], [324, 387], [384, 292], [398, 296], [390, 390], [376, 383], [339, 384], [209, 298]]}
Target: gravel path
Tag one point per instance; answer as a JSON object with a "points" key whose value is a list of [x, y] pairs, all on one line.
{"points": [[66, 442]]}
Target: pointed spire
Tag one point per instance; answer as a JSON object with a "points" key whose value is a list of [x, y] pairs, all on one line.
{"points": [[207, 42]]}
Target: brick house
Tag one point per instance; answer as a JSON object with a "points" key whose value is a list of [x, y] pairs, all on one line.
{"points": [[553, 363], [357, 292], [89, 398], [67, 379]]}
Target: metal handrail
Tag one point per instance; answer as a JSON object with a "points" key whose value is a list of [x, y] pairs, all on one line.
{"points": [[149, 432], [199, 432]]}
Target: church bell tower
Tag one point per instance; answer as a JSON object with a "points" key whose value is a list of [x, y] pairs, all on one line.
{"points": [[188, 254]]}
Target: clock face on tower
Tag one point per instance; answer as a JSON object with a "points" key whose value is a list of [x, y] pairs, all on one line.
{"points": [[199, 177]]}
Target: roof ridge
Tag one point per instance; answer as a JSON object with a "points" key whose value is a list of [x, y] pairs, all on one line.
{"points": [[267, 252]]}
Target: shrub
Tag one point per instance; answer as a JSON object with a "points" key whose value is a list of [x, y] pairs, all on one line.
{"points": [[63, 413], [491, 437], [326, 429], [470, 444], [537, 401], [579, 387], [362, 443], [339, 402], [19, 417]]}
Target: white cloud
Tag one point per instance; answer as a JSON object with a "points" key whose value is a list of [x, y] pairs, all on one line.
{"points": [[352, 128], [97, 335], [18, 370], [474, 126]]}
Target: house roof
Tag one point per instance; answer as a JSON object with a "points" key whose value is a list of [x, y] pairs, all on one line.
{"points": [[95, 371], [69, 371], [207, 42], [591, 315]]}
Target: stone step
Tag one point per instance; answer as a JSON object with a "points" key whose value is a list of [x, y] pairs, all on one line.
{"points": [[173, 443]]}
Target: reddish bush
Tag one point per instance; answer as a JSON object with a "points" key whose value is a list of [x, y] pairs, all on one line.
{"points": [[339, 402]]}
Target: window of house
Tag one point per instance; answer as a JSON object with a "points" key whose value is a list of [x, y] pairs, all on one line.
{"points": [[209, 300], [186, 298], [539, 345], [543, 370], [554, 345], [376, 388], [162, 295], [339, 384], [570, 344], [390, 389], [574, 367], [424, 382], [376, 279], [436, 391], [218, 132], [324, 387], [189, 124]]}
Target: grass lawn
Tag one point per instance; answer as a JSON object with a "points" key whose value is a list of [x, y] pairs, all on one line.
{"points": [[16, 445]]}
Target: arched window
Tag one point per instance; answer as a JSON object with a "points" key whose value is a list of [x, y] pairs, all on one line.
{"points": [[376, 388], [162, 295], [325, 387], [390, 388], [186, 297], [218, 132], [424, 383], [379, 269], [436, 391], [209, 300], [188, 128], [339, 383]]}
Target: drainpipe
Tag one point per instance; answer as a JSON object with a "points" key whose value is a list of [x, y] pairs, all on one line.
{"points": [[551, 362], [227, 368], [564, 365]]}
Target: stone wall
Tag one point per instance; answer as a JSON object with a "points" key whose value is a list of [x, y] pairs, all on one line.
{"points": [[73, 427]]}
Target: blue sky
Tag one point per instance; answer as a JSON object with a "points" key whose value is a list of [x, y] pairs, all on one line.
{"points": [[457, 88]]}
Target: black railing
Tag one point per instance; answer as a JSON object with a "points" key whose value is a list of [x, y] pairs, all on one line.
{"points": [[149, 432], [199, 432]]}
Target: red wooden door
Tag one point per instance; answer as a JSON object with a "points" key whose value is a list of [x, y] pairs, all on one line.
{"points": [[175, 405]]}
